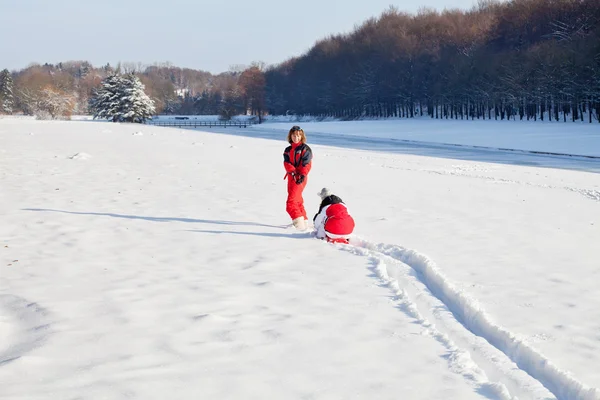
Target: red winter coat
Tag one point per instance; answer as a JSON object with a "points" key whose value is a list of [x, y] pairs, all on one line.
{"points": [[334, 222], [297, 159]]}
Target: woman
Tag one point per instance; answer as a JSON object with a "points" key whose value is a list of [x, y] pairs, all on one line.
{"points": [[297, 161]]}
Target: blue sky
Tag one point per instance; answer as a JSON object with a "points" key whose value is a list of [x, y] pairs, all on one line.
{"points": [[211, 35]]}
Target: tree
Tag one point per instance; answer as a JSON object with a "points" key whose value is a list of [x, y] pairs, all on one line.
{"points": [[53, 103], [231, 103], [48, 102], [7, 101], [121, 98], [161, 90], [105, 101], [252, 85]]}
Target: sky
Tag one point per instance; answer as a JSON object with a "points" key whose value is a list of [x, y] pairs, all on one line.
{"points": [[211, 35], [148, 262]]}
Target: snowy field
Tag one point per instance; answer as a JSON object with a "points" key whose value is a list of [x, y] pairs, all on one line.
{"points": [[151, 263]]}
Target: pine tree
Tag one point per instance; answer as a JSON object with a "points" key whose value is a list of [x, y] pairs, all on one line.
{"points": [[137, 106], [104, 101], [121, 98], [7, 101]]}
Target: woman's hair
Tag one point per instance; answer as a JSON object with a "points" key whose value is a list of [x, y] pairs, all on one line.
{"points": [[296, 128]]}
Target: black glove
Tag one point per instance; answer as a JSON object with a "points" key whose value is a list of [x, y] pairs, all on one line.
{"points": [[299, 179]]}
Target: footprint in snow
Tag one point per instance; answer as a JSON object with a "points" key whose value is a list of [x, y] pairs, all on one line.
{"points": [[80, 156]]}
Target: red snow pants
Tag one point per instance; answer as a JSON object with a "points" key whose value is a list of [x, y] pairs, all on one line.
{"points": [[295, 203]]}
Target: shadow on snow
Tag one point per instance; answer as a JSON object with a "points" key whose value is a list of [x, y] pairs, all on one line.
{"points": [[165, 219], [291, 234]]}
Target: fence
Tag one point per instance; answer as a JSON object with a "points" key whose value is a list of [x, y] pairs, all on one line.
{"points": [[199, 123]]}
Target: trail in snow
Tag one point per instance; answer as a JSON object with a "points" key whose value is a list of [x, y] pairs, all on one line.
{"points": [[459, 360], [469, 355], [471, 316]]}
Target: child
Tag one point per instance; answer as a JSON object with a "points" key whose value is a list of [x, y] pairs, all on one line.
{"points": [[297, 161], [333, 222]]}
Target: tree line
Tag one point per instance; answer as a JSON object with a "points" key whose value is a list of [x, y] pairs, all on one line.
{"points": [[525, 59], [520, 59], [60, 90]]}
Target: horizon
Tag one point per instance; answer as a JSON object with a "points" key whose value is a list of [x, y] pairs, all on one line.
{"points": [[73, 40]]}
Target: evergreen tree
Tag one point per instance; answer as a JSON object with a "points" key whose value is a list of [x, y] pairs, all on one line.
{"points": [[121, 98], [136, 104], [104, 101], [6, 92]]}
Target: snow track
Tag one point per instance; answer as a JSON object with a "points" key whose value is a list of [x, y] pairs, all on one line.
{"points": [[24, 326], [496, 360]]}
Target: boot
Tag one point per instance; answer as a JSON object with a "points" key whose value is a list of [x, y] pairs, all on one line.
{"points": [[299, 223]]}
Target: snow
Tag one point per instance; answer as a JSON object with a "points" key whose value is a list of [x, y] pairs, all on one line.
{"points": [[163, 265], [578, 138], [80, 156]]}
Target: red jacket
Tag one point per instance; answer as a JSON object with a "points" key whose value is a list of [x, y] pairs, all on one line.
{"points": [[338, 222], [297, 158], [334, 221]]}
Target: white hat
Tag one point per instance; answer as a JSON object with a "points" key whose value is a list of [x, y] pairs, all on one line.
{"points": [[324, 193]]}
